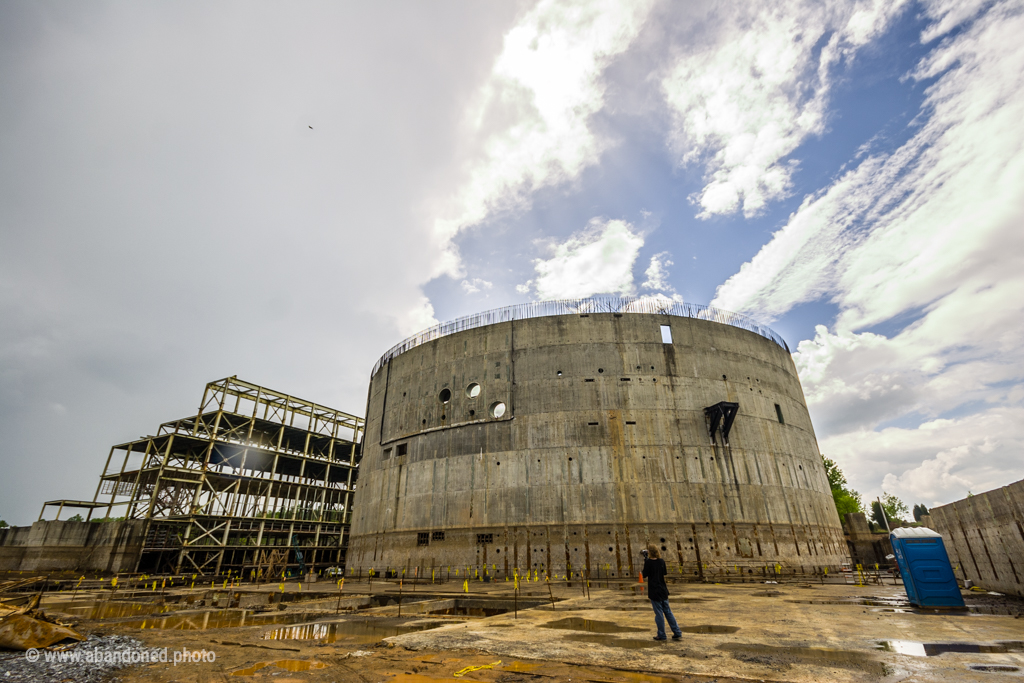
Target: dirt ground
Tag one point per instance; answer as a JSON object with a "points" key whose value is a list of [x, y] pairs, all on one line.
{"points": [[738, 632]]}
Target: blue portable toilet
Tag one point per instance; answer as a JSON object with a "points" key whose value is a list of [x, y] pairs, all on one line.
{"points": [[925, 568]]}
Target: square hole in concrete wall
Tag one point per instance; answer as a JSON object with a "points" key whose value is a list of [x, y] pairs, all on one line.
{"points": [[437, 536], [403, 448], [423, 538], [485, 538], [666, 334], [387, 453]]}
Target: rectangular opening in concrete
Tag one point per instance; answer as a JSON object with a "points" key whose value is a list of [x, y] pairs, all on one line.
{"points": [[778, 413], [666, 334]]}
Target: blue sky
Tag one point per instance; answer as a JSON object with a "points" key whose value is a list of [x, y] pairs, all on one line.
{"points": [[284, 192]]}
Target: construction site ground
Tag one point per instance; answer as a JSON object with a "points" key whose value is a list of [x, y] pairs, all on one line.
{"points": [[549, 632]]}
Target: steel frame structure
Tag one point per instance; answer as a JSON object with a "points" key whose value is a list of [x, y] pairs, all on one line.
{"points": [[254, 469]]}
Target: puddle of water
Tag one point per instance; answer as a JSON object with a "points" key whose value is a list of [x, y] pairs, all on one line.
{"points": [[997, 610], [293, 665], [993, 668], [915, 649], [522, 667], [591, 625], [709, 628], [647, 606], [470, 611], [106, 609], [767, 594], [200, 621], [632, 677], [612, 641], [857, 602], [366, 631], [781, 655]]}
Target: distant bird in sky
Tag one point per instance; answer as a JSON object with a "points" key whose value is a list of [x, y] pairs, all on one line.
{"points": [[311, 127]]}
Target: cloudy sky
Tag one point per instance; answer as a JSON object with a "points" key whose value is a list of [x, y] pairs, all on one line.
{"points": [[282, 191]]}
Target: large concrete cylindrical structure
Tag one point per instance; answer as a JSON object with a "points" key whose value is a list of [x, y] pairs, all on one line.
{"points": [[568, 442]]}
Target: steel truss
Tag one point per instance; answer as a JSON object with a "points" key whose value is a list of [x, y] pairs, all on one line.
{"points": [[254, 470]]}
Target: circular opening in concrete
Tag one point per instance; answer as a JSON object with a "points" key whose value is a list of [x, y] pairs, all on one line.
{"points": [[472, 413], [445, 395], [497, 409], [559, 373], [600, 369], [473, 390]]}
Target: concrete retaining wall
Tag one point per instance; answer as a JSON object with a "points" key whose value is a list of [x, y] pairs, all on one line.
{"points": [[603, 448], [79, 546], [984, 536]]}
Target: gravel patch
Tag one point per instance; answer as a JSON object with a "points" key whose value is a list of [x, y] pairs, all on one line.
{"points": [[107, 654]]}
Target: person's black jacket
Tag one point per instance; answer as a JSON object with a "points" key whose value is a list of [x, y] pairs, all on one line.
{"points": [[654, 572]]}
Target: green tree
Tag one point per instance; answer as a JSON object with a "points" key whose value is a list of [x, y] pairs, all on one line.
{"points": [[920, 511], [893, 509], [3, 524], [846, 499], [76, 518]]}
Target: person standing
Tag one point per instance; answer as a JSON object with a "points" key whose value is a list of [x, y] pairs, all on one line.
{"points": [[654, 572]]}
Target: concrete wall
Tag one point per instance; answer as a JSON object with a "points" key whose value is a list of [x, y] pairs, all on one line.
{"points": [[603, 448], [80, 546], [866, 547], [984, 536]]}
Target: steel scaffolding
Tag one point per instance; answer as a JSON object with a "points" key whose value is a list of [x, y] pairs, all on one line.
{"points": [[253, 471]]}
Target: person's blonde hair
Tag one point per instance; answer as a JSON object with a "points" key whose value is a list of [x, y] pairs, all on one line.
{"points": [[653, 551]]}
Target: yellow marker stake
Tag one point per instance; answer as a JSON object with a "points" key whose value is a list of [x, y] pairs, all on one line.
{"points": [[465, 586], [113, 582], [282, 588]]}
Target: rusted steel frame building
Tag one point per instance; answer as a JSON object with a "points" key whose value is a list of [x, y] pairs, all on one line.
{"points": [[253, 470]]}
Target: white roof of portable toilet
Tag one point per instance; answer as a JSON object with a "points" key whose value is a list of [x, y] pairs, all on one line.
{"points": [[915, 531]]}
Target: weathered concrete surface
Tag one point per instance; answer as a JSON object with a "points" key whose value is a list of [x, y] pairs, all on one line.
{"points": [[780, 632], [866, 547], [60, 545], [602, 449], [984, 537], [794, 633]]}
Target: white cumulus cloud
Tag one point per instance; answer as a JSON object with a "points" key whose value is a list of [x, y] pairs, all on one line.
{"points": [[530, 121], [657, 273], [930, 234], [596, 260], [475, 285], [748, 94]]}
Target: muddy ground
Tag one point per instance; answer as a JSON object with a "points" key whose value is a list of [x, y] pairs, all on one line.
{"points": [[739, 632]]}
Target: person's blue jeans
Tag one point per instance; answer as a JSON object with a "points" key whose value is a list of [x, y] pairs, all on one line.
{"points": [[661, 612]]}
